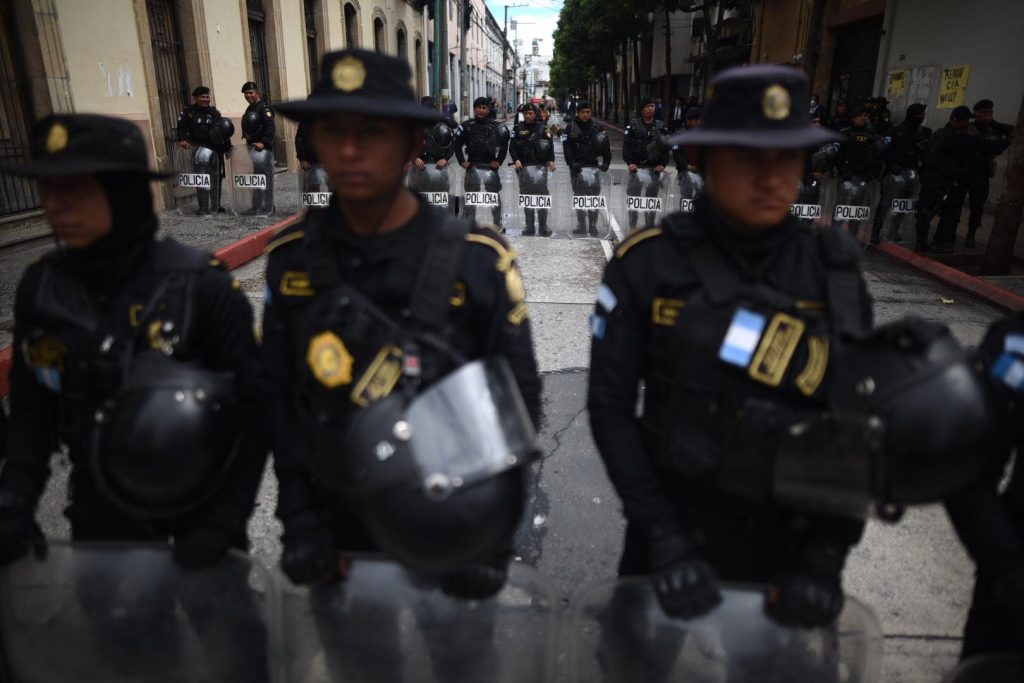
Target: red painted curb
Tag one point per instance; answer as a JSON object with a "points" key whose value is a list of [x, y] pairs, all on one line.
{"points": [[952, 276], [233, 255]]}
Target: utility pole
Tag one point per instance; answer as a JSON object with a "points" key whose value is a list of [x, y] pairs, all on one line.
{"points": [[464, 15], [504, 59]]}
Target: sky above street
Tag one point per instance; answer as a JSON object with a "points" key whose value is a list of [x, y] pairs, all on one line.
{"points": [[535, 19]]}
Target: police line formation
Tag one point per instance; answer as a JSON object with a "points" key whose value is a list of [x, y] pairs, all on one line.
{"points": [[396, 384]]}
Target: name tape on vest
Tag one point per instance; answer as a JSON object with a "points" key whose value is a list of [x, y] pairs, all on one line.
{"points": [[535, 201], [643, 203], [199, 180], [806, 210], [481, 199], [316, 198], [435, 198], [851, 213], [251, 182]]}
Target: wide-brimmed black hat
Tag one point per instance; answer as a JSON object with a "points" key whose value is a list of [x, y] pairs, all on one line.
{"points": [[758, 106], [77, 144], [362, 82]]}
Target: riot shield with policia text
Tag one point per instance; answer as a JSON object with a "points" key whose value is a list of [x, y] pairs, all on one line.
{"points": [[251, 174], [312, 183], [433, 184], [196, 184]]}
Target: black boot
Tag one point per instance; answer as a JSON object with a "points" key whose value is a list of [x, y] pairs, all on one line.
{"points": [[969, 240], [580, 230]]}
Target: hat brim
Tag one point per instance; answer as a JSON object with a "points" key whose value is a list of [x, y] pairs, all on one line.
{"points": [[793, 138], [332, 103], [51, 168]]}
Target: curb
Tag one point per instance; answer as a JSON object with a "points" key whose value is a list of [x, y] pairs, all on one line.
{"points": [[951, 276], [233, 255]]}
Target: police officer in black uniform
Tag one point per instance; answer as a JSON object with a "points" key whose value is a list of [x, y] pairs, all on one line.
{"points": [[995, 139], [858, 163], [374, 297], [643, 148], [990, 523], [841, 119], [481, 145], [533, 155], [429, 172], [730, 317], [313, 178], [258, 131], [201, 126], [586, 147], [903, 156], [687, 174], [112, 308], [944, 181], [881, 117]]}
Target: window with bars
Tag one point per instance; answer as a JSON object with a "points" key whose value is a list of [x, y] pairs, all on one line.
{"points": [[351, 26], [16, 194], [378, 35], [309, 9], [403, 48], [169, 64], [258, 46]]}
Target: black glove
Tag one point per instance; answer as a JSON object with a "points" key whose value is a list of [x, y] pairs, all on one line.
{"points": [[203, 546], [810, 595], [308, 555], [685, 585], [478, 582], [575, 168], [800, 600], [604, 168], [19, 531]]}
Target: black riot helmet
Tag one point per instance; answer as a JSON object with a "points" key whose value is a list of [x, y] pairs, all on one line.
{"points": [[543, 150], [440, 478], [220, 134], [251, 122], [912, 419], [440, 141], [162, 444], [602, 145]]}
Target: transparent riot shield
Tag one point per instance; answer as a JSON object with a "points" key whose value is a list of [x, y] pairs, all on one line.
{"points": [[312, 184], [196, 184], [251, 174], [112, 612], [899, 191], [682, 188], [482, 195], [531, 207], [616, 631], [433, 184], [994, 668], [808, 205], [856, 198], [383, 624], [642, 200], [583, 202]]}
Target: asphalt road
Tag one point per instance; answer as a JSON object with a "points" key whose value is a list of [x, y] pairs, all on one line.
{"points": [[914, 574]]}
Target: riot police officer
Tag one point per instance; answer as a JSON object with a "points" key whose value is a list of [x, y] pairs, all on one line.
{"points": [[371, 301], [995, 138], [138, 355], [990, 523], [881, 117], [730, 317], [311, 174], [903, 156], [481, 146], [688, 176], [858, 163], [587, 147], [841, 119], [200, 125], [430, 169], [533, 154], [643, 148], [944, 180], [258, 132]]}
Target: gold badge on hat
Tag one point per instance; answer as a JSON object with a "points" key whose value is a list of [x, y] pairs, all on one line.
{"points": [[329, 360], [57, 138], [775, 103], [348, 74]]}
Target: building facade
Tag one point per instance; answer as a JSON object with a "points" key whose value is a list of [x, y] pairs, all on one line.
{"points": [[140, 59]]}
